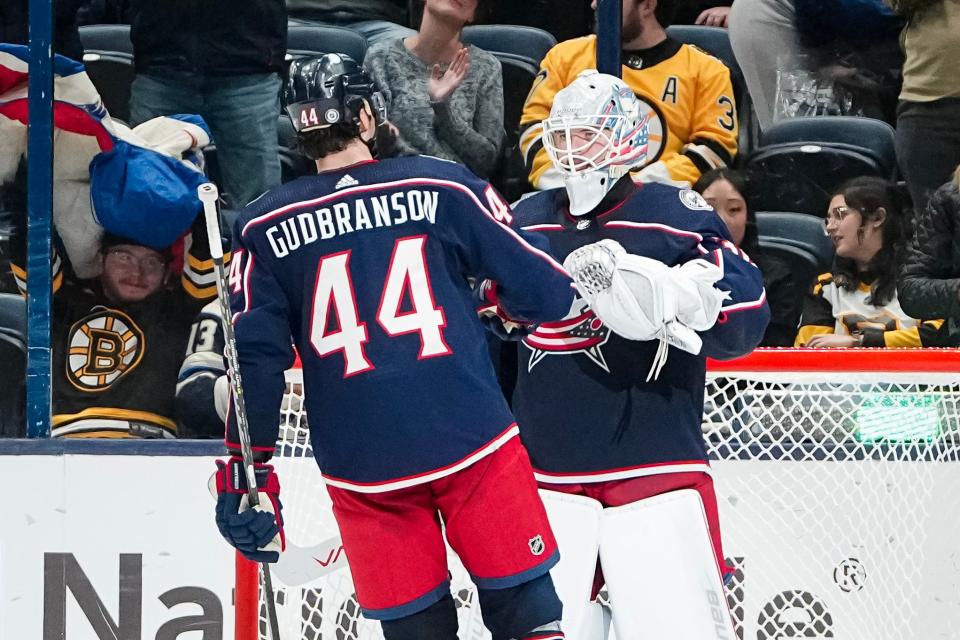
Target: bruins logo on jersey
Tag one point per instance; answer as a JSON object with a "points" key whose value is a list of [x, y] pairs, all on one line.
{"points": [[103, 346]]}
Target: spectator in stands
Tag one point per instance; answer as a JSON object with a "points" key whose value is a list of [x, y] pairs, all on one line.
{"points": [[929, 281], [687, 93], [376, 20], [928, 116], [708, 13], [856, 304], [807, 37], [730, 193], [118, 340], [14, 25], [444, 98], [202, 384], [220, 59]]}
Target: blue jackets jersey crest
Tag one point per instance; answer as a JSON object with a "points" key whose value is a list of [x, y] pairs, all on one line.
{"points": [[586, 413], [368, 271]]}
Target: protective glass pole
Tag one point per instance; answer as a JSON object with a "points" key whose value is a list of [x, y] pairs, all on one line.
{"points": [[39, 216]]}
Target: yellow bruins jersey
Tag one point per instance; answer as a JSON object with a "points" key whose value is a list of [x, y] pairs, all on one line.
{"points": [[687, 93], [829, 308]]}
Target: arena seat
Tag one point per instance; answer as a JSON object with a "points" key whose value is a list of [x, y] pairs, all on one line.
{"points": [[112, 73], [13, 353], [106, 38], [510, 176], [316, 39], [801, 160], [799, 230], [804, 266], [874, 137], [518, 76], [517, 40]]}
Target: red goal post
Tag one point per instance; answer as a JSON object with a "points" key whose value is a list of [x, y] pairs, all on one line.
{"points": [[838, 478]]}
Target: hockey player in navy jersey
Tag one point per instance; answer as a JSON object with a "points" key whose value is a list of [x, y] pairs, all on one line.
{"points": [[610, 410], [366, 269]]}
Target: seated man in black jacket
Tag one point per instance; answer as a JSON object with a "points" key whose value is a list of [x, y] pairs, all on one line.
{"points": [[929, 283]]}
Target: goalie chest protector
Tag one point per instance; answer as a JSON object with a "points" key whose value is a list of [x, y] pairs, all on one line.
{"points": [[584, 408]]}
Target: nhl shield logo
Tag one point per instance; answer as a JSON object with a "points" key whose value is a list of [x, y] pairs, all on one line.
{"points": [[536, 545], [582, 224]]}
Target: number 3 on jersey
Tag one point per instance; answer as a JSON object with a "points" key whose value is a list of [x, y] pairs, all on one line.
{"points": [[407, 278]]}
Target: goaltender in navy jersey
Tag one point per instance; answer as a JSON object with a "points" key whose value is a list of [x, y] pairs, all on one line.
{"points": [[579, 374], [369, 269]]}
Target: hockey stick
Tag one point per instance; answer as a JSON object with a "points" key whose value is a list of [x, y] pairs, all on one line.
{"points": [[208, 195]]}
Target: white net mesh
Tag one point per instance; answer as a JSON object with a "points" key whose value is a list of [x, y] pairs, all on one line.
{"points": [[838, 505]]}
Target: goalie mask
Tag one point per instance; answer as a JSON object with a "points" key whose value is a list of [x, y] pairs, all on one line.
{"points": [[324, 90], [595, 134]]}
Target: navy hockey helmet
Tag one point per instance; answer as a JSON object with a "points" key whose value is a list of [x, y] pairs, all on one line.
{"points": [[324, 90]]}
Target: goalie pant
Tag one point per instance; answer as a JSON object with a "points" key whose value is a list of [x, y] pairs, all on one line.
{"points": [[586, 413]]}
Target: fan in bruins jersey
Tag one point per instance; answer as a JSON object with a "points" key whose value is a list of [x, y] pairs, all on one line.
{"points": [[118, 340], [687, 96], [856, 304]]}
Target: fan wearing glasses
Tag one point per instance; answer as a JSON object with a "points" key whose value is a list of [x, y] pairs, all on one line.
{"points": [[856, 305], [118, 340]]}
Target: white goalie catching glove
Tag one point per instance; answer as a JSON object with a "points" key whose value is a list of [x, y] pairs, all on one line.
{"points": [[641, 298]]}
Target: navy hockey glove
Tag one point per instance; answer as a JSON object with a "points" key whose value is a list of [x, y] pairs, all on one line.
{"points": [[494, 318], [256, 533]]}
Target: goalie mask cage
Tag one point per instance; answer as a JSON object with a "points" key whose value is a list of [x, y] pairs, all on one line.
{"points": [[838, 485]]}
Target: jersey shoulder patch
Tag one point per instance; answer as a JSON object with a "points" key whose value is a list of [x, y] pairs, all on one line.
{"points": [[693, 200]]}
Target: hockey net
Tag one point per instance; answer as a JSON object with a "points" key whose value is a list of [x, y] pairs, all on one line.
{"points": [[839, 490]]}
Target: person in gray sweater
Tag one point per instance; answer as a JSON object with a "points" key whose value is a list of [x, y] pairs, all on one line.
{"points": [[444, 98]]}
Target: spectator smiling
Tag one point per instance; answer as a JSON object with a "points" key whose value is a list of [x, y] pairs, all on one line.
{"points": [[856, 304]]}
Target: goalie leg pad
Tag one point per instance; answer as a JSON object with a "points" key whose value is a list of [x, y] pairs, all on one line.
{"points": [[575, 521], [661, 572]]}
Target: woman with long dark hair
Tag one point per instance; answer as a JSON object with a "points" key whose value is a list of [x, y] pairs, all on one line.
{"points": [[856, 305], [730, 193]]}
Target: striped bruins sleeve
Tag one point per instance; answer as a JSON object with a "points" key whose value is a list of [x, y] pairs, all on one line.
{"points": [[199, 278], [925, 334], [817, 317], [20, 274], [555, 69], [714, 130]]}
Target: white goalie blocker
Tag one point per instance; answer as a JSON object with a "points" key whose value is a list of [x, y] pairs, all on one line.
{"points": [[661, 573]]}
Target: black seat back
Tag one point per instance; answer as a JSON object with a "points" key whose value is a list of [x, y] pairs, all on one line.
{"points": [[112, 74], [316, 39], [799, 230], [13, 352], [518, 40]]}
